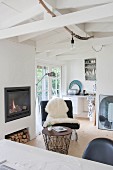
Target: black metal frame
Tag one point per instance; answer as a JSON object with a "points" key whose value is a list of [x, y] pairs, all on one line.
{"points": [[74, 126]]}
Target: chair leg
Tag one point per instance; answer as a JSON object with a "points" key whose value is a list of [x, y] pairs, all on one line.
{"points": [[74, 135]]}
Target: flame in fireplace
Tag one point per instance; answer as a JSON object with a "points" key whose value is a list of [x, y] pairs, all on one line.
{"points": [[17, 108], [13, 105]]}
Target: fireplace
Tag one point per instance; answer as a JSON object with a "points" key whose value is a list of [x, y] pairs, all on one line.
{"points": [[105, 112], [17, 103]]}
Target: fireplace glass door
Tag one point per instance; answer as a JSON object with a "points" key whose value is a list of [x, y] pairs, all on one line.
{"points": [[17, 103]]}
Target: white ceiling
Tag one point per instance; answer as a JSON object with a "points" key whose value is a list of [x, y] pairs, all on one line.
{"points": [[26, 21]]}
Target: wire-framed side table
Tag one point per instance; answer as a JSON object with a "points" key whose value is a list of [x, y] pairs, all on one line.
{"points": [[57, 141]]}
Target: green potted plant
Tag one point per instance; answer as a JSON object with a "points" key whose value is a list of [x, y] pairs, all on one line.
{"points": [[49, 126]]}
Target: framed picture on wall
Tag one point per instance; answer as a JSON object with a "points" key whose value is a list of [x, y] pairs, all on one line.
{"points": [[90, 69]]}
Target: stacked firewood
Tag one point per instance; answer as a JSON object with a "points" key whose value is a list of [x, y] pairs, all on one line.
{"points": [[21, 136]]}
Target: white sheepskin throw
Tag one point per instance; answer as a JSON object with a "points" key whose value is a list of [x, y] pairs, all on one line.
{"points": [[57, 112], [57, 108], [53, 121]]}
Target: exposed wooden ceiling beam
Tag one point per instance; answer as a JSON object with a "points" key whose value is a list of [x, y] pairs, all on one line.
{"points": [[65, 27], [51, 47], [78, 55], [78, 4], [64, 50], [53, 54], [66, 45], [24, 16], [53, 39], [99, 27], [102, 34], [77, 49], [79, 29], [58, 52], [79, 44], [51, 2], [22, 38], [60, 21], [103, 20], [103, 41]]}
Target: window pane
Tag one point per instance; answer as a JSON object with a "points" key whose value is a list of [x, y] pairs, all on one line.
{"points": [[42, 83], [57, 71], [58, 83], [58, 93], [53, 83], [42, 96], [53, 92]]}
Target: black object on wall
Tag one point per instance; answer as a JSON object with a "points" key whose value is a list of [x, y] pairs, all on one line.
{"points": [[17, 103]]}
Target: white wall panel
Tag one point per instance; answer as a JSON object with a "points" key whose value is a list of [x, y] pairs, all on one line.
{"points": [[17, 68]]}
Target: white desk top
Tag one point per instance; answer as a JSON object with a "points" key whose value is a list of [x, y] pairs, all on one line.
{"points": [[80, 96], [24, 157], [76, 96]]}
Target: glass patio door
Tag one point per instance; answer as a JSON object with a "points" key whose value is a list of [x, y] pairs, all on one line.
{"points": [[47, 87], [42, 83]]}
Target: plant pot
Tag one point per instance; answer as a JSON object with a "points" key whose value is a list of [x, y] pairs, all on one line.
{"points": [[49, 128]]}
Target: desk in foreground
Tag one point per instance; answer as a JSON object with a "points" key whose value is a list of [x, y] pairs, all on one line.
{"points": [[23, 157]]}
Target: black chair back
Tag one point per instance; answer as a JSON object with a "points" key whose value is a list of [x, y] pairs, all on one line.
{"points": [[100, 150], [44, 113]]}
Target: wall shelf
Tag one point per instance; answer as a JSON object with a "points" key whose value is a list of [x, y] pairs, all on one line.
{"points": [[90, 69]]}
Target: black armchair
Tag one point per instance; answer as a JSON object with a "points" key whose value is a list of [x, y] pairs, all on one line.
{"points": [[100, 150], [73, 126]]}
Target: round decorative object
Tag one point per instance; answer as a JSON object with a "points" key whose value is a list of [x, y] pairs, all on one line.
{"points": [[75, 85]]}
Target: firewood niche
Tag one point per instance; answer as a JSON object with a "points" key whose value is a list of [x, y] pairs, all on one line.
{"points": [[21, 136]]}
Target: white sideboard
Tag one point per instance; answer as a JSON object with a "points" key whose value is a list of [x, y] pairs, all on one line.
{"points": [[80, 105]]}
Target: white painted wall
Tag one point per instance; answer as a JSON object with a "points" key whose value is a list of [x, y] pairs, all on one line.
{"points": [[17, 68], [104, 73]]}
